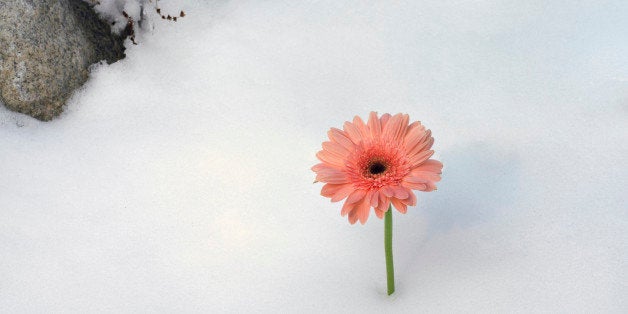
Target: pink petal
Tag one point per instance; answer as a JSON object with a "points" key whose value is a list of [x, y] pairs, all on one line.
{"points": [[411, 200], [374, 198], [387, 191], [342, 193], [374, 125], [428, 171], [357, 195], [401, 207], [330, 158], [422, 147], [329, 189], [363, 211], [341, 138], [421, 144], [431, 165], [400, 192], [430, 187], [326, 167], [384, 120], [346, 208], [414, 125], [420, 184], [384, 202], [336, 149], [415, 179], [379, 213], [414, 134], [353, 216], [359, 211], [425, 175], [332, 177], [319, 167], [393, 128], [403, 126], [405, 121], [415, 186], [417, 159], [415, 183], [353, 132], [359, 124]]}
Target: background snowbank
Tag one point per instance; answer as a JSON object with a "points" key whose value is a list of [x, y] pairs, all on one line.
{"points": [[178, 179]]}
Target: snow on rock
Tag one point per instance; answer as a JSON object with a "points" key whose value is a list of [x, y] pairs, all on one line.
{"points": [[114, 11]]}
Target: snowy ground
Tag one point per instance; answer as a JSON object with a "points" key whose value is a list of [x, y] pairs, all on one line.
{"points": [[178, 179]]}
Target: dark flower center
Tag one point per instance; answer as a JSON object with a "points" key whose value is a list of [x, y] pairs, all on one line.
{"points": [[377, 167]]}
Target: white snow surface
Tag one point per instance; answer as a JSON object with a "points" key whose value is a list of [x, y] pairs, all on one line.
{"points": [[178, 179]]}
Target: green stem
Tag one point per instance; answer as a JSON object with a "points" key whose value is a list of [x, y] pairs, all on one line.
{"points": [[390, 271]]}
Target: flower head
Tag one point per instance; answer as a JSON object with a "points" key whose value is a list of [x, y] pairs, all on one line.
{"points": [[377, 163]]}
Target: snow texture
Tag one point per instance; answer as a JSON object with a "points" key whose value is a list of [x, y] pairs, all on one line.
{"points": [[178, 179]]}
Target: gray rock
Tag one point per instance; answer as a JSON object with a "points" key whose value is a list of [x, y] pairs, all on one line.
{"points": [[46, 48]]}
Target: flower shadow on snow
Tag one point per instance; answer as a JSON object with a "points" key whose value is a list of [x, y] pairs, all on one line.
{"points": [[478, 181]]}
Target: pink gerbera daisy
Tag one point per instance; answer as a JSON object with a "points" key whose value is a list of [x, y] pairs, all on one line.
{"points": [[376, 164]]}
